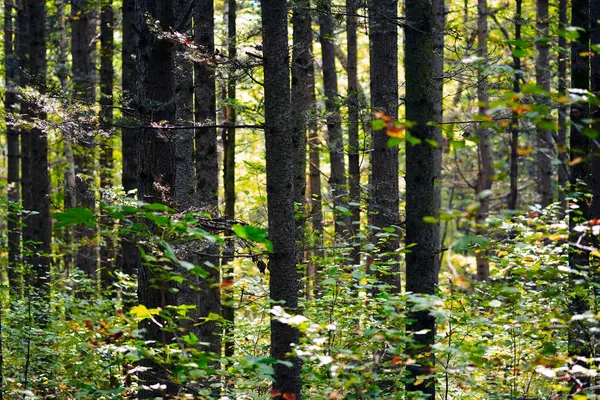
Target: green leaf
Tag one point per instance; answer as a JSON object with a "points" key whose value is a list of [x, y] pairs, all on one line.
{"points": [[74, 217], [519, 53], [377, 125], [394, 141], [253, 233]]}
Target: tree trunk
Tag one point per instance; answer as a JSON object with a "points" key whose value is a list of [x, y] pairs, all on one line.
{"points": [[283, 283], [229, 140], [35, 179], [544, 136], [513, 196], [13, 149], [353, 119], [156, 166], [486, 168], [563, 58], [335, 141], [595, 87], [579, 342], [384, 201], [107, 20], [422, 172], [439, 18], [207, 169], [82, 30]]}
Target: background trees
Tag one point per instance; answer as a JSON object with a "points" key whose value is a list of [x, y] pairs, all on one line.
{"points": [[159, 172]]}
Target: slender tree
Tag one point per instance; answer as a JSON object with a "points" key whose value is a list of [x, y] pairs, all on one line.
{"points": [[544, 136], [82, 34], [107, 18], [563, 58], [35, 179], [514, 122], [384, 201], [13, 150], [486, 168], [156, 166], [422, 171], [335, 141], [595, 87], [280, 192], [207, 169]]}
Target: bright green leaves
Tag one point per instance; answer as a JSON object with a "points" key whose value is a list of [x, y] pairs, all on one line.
{"points": [[253, 234], [75, 217]]}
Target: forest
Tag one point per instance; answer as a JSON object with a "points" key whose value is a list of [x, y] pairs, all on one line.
{"points": [[300, 199]]}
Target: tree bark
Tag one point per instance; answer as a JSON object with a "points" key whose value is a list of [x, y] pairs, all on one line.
{"points": [[156, 166], [35, 180], [513, 196], [563, 58], [82, 32], [13, 150], [107, 20], [544, 136], [283, 283], [486, 168], [384, 200], [207, 169], [422, 172]]}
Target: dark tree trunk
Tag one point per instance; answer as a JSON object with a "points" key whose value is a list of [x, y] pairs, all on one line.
{"points": [[82, 32], [301, 69], [422, 172], [486, 168], [544, 136], [156, 165], [563, 59], [579, 342], [229, 179], [595, 87], [13, 149], [353, 121], [513, 196], [129, 257], [207, 169], [439, 19], [384, 200], [107, 20], [283, 283], [35, 179], [335, 140]]}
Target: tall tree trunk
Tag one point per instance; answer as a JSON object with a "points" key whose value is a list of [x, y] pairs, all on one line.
{"points": [[129, 254], [579, 342], [486, 168], [544, 136], [384, 200], [422, 172], [439, 20], [595, 87], [283, 283], [82, 30], [229, 178], [514, 122], [353, 120], [107, 254], [207, 168], [156, 165], [13, 147], [335, 140], [35, 179], [563, 58]]}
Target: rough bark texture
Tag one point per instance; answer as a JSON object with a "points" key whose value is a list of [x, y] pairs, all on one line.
{"points": [[595, 87], [384, 201], [229, 178], [156, 165], [280, 191], [335, 140], [563, 58], [544, 136], [207, 169], [35, 180], [513, 196], [353, 120], [107, 20], [82, 32], [579, 341], [422, 172], [13, 150], [301, 68], [486, 169], [129, 254]]}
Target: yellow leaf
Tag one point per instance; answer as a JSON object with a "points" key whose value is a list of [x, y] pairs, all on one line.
{"points": [[595, 253], [419, 381], [557, 236], [141, 312], [575, 161], [524, 151]]}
